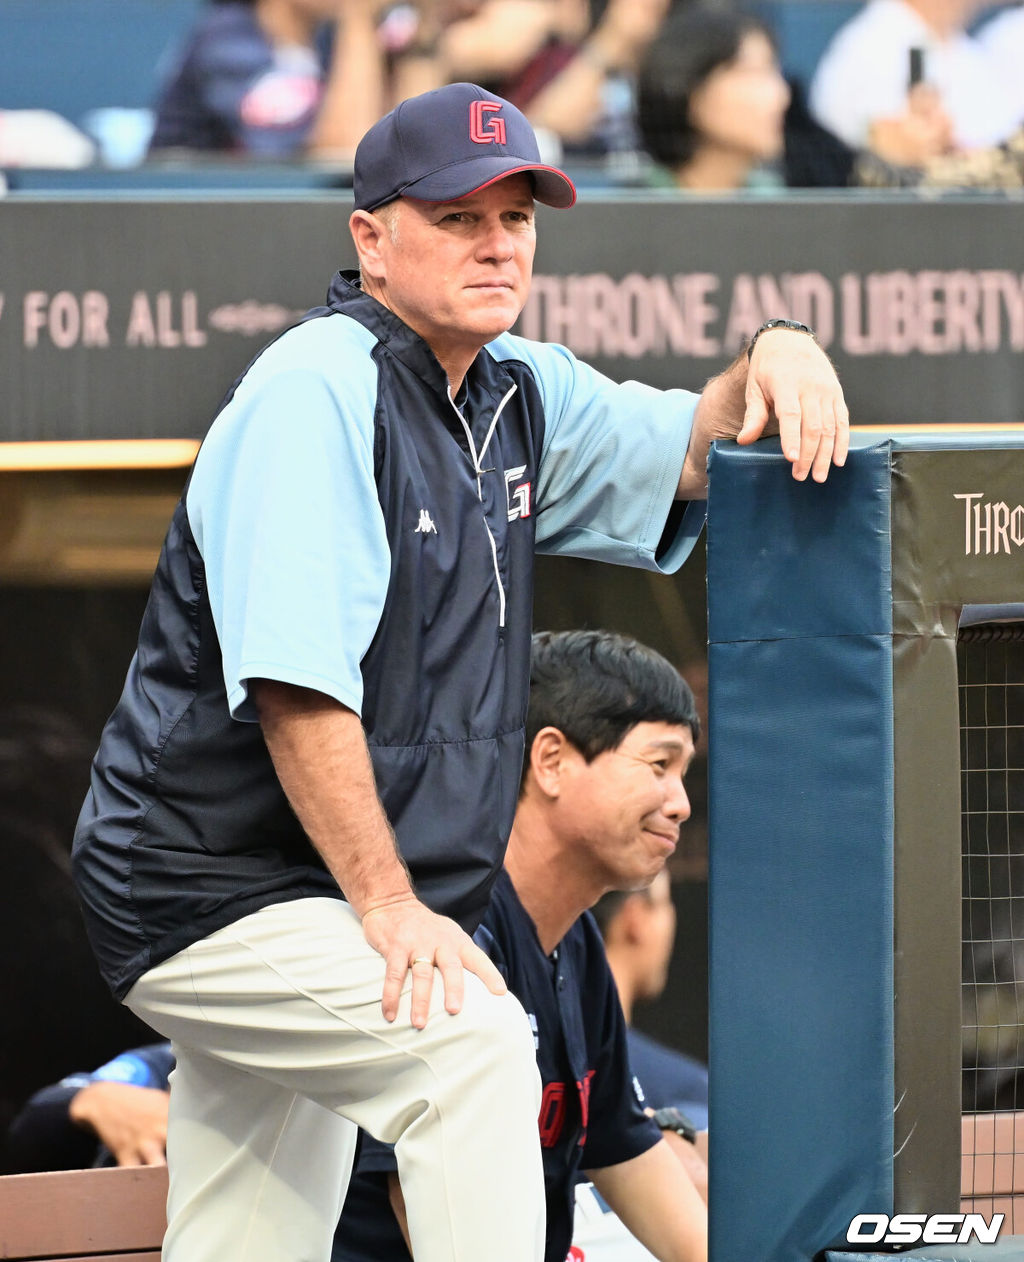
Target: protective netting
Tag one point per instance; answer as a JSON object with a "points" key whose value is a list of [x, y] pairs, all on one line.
{"points": [[991, 686]]}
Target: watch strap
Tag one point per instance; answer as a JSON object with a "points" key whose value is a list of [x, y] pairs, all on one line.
{"points": [[673, 1119], [795, 325]]}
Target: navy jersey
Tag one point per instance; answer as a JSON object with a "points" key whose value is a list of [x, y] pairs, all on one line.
{"points": [[670, 1078], [232, 90], [590, 1115]]}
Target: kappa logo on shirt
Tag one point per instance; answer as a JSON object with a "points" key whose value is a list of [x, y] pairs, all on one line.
{"points": [[426, 525]]}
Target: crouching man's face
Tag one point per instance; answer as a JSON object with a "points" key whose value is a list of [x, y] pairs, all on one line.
{"points": [[627, 804]]}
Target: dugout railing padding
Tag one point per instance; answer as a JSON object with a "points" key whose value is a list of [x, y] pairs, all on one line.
{"points": [[834, 827]]}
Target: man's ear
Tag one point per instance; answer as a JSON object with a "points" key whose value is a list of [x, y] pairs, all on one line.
{"points": [[547, 760], [630, 919], [367, 234]]}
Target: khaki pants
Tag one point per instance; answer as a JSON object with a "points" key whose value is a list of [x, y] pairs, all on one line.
{"points": [[282, 1051]]}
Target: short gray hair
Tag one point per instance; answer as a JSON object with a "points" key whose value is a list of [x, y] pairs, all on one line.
{"points": [[388, 215]]}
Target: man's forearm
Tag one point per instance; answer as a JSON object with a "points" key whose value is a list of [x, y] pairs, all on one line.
{"points": [[353, 97], [319, 752], [320, 756], [655, 1198], [719, 414]]}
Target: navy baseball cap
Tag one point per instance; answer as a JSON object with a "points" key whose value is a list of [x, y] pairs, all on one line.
{"points": [[448, 143]]}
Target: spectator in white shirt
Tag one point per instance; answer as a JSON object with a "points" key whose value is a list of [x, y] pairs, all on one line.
{"points": [[863, 91], [1002, 38]]}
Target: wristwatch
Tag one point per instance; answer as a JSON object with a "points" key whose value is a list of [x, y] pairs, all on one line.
{"points": [[795, 325], [670, 1119]]}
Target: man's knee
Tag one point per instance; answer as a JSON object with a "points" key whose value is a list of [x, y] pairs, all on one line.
{"points": [[483, 1063], [496, 1037]]}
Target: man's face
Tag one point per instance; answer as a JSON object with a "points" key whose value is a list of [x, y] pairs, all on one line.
{"points": [[459, 272], [626, 805]]}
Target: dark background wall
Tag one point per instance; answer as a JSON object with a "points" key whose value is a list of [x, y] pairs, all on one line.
{"points": [[63, 653]]}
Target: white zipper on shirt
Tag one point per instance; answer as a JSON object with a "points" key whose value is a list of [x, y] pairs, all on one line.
{"points": [[479, 488], [497, 575], [494, 419]]}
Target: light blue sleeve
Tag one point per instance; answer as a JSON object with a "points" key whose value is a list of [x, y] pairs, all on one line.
{"points": [[128, 1068], [283, 506], [610, 464]]}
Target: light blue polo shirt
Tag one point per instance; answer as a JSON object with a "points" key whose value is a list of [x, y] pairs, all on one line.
{"points": [[283, 501]]}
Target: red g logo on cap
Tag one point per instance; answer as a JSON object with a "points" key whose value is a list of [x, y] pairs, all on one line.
{"points": [[484, 130]]}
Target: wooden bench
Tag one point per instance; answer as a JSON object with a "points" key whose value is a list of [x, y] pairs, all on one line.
{"points": [[83, 1215]]}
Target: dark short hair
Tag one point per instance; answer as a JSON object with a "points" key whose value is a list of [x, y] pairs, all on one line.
{"points": [[596, 686], [691, 43]]}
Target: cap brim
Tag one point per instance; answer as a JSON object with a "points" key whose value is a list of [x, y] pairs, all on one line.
{"points": [[550, 186]]}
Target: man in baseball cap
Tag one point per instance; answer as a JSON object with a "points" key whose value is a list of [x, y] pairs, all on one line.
{"points": [[301, 804], [444, 190]]}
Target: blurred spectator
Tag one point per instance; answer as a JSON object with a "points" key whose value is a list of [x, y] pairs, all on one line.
{"points": [[994, 167], [814, 158], [1002, 39], [567, 64], [998, 166], [639, 929], [259, 77], [115, 1115], [905, 80], [711, 101]]}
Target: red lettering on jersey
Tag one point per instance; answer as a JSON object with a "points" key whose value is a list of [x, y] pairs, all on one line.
{"points": [[280, 99], [584, 1090], [494, 132], [575, 1254], [552, 1114]]}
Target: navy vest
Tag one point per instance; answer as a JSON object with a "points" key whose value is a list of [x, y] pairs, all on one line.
{"points": [[186, 827]]}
